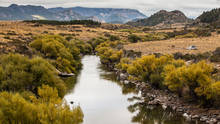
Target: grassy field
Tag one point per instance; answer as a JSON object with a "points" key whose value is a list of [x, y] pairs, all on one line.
{"points": [[203, 44], [22, 30], [11, 31]]}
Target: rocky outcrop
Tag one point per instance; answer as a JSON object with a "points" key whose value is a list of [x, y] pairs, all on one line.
{"points": [[162, 17]]}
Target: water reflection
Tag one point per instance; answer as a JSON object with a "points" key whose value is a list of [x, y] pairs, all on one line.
{"points": [[125, 88], [146, 114], [104, 100]]}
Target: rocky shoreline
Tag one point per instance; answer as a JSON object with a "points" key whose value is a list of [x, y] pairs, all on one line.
{"points": [[167, 99]]}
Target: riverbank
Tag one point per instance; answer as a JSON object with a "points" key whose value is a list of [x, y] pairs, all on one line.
{"points": [[194, 83], [167, 99], [98, 92]]}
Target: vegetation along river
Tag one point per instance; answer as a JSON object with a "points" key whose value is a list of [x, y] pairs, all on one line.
{"points": [[105, 101]]}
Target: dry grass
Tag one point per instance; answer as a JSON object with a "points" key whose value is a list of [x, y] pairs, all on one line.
{"points": [[22, 29], [26, 31], [204, 44], [15, 36]]}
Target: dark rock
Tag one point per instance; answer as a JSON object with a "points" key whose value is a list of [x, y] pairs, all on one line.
{"points": [[123, 76]]}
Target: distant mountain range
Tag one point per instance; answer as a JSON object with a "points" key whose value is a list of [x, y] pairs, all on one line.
{"points": [[30, 12]]}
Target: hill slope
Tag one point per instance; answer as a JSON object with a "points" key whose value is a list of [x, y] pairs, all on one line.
{"points": [[16, 12], [210, 17], [162, 16]]}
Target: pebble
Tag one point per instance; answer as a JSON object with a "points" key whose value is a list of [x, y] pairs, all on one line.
{"points": [[195, 117], [204, 118], [126, 82]]}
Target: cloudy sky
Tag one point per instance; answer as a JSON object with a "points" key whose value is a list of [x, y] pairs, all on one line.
{"points": [[191, 8]]}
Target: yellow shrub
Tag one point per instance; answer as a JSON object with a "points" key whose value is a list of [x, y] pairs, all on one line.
{"points": [[47, 109], [196, 76]]}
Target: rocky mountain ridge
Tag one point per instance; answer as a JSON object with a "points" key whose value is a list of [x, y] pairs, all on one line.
{"points": [[30, 12], [162, 17]]}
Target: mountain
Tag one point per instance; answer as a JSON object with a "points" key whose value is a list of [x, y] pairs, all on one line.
{"points": [[162, 17], [209, 17], [29, 12], [108, 15], [16, 12]]}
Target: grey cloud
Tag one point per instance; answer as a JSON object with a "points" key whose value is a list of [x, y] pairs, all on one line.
{"points": [[191, 8]]}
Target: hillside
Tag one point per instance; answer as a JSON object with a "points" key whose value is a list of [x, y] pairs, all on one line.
{"points": [[210, 17], [162, 17], [16, 12], [29, 12]]}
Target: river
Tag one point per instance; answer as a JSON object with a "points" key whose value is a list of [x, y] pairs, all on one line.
{"points": [[105, 101]]}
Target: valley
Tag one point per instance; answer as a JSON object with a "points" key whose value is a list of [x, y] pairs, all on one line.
{"points": [[164, 69]]}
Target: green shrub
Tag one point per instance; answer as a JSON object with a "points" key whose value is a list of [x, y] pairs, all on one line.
{"points": [[108, 53], [155, 36], [215, 89], [72, 22], [203, 32], [84, 47], [113, 38], [96, 41], [133, 38], [218, 31], [19, 73], [188, 35], [216, 55], [55, 47]]}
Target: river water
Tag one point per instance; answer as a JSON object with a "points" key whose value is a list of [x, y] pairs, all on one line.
{"points": [[105, 101]]}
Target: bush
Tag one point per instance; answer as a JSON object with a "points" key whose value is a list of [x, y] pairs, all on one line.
{"points": [[55, 47], [108, 52], [123, 65], [188, 35], [84, 47], [48, 108], [18, 73], [148, 68], [113, 38], [72, 22], [215, 89], [216, 55], [218, 31], [203, 32], [96, 41], [196, 77], [155, 36], [133, 38]]}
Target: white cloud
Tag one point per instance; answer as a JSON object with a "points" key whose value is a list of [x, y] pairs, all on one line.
{"points": [[191, 8]]}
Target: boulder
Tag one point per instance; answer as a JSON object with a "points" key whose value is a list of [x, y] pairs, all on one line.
{"points": [[123, 76]]}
